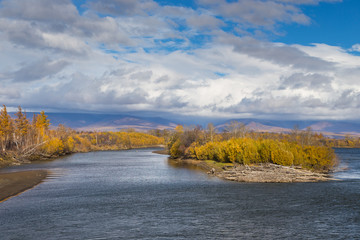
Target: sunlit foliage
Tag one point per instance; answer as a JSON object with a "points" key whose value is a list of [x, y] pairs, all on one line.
{"points": [[284, 149], [6, 128]]}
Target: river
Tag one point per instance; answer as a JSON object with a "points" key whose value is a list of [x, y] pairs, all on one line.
{"points": [[137, 194]]}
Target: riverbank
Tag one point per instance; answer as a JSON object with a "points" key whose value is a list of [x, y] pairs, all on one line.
{"points": [[260, 173], [14, 183]]}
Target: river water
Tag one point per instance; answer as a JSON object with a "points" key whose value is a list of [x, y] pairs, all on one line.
{"points": [[136, 194]]}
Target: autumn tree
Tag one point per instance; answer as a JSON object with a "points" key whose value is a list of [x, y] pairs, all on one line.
{"points": [[174, 142], [307, 136], [22, 127], [6, 128], [210, 132], [236, 129], [193, 134], [42, 125], [294, 134]]}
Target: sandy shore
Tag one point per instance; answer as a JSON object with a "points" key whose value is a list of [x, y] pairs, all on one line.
{"points": [[260, 173], [14, 183]]}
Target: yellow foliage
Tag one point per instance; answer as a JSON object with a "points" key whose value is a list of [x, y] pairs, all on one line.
{"points": [[70, 144], [320, 158], [42, 123], [179, 129], [247, 151], [54, 146], [220, 152], [85, 144], [175, 149], [190, 151]]}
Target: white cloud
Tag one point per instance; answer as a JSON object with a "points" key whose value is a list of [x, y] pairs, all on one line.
{"points": [[355, 48], [63, 42], [142, 56]]}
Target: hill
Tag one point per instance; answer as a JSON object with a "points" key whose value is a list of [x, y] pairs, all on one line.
{"points": [[107, 122]]}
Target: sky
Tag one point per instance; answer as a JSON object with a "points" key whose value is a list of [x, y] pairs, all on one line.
{"points": [[279, 59]]}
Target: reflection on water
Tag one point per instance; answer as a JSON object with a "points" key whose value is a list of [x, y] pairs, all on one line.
{"points": [[183, 164], [140, 195]]}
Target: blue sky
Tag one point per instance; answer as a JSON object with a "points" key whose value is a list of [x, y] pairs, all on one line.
{"points": [[331, 23], [288, 59]]}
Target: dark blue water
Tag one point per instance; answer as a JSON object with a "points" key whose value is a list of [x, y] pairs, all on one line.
{"points": [[137, 195]]}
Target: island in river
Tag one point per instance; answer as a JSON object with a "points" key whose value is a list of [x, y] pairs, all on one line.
{"points": [[255, 157]]}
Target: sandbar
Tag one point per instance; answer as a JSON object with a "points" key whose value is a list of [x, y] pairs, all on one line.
{"points": [[14, 183]]}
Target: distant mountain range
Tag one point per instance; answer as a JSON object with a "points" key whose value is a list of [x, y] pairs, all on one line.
{"points": [[329, 128], [116, 122], [109, 122]]}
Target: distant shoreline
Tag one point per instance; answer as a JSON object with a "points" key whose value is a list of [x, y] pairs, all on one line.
{"points": [[14, 183]]}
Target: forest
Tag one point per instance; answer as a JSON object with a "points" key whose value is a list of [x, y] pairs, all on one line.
{"points": [[22, 140]]}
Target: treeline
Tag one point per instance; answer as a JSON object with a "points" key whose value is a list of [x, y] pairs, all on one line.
{"points": [[238, 145], [347, 142], [22, 139]]}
